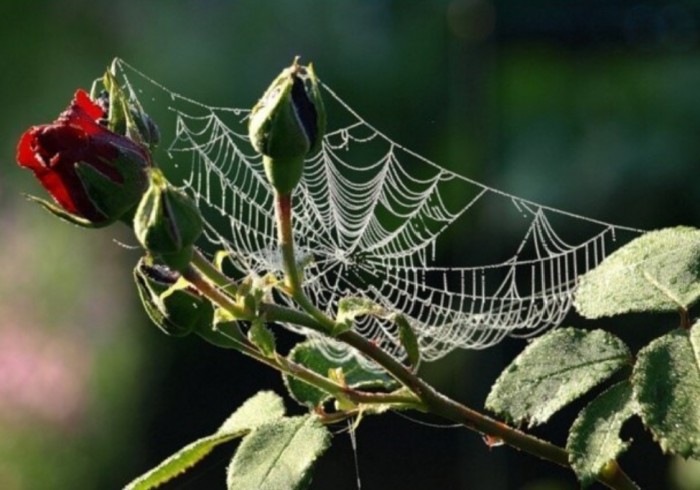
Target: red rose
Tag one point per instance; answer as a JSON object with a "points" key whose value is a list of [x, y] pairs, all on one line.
{"points": [[95, 175]]}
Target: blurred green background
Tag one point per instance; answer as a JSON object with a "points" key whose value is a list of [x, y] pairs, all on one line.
{"points": [[589, 106]]}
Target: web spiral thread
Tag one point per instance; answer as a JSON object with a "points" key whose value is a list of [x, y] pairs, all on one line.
{"points": [[368, 214]]}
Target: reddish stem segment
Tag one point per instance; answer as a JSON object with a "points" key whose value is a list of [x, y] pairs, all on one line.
{"points": [[429, 398]]}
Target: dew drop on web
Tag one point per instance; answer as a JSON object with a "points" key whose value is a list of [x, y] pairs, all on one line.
{"points": [[369, 199]]}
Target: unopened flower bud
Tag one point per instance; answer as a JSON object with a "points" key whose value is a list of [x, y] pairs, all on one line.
{"points": [[167, 222], [94, 175], [287, 124], [174, 306]]}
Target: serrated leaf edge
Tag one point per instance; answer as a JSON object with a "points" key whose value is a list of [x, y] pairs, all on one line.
{"points": [[633, 410], [309, 419], [528, 419]]}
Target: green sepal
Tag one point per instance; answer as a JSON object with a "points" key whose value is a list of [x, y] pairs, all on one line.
{"points": [[342, 402], [253, 290], [350, 308], [250, 302], [95, 88], [104, 193], [224, 331], [118, 119], [222, 316], [115, 199], [217, 336], [126, 115], [314, 93], [408, 339], [65, 215], [219, 258], [178, 260], [261, 337], [170, 302]]}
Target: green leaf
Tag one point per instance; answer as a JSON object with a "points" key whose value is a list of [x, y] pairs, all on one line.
{"points": [[352, 307], [408, 339], [666, 382], [554, 370], [262, 338], [278, 455], [356, 376], [659, 271], [262, 408], [594, 437]]}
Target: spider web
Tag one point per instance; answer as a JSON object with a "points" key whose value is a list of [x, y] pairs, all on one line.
{"points": [[368, 213]]}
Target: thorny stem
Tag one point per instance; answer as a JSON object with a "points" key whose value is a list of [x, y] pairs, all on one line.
{"points": [[685, 318], [427, 398], [435, 402], [209, 287], [212, 273], [335, 417], [439, 404]]}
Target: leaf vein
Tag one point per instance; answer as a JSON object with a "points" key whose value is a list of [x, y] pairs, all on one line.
{"points": [[552, 374], [286, 446], [661, 288]]}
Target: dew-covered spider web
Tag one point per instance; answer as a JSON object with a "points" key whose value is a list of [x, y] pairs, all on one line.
{"points": [[368, 215]]}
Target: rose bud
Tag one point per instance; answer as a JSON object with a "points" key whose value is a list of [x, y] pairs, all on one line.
{"points": [[287, 124], [94, 175], [167, 222], [174, 306]]}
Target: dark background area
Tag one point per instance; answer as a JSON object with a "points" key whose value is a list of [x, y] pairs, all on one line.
{"points": [[592, 107]]}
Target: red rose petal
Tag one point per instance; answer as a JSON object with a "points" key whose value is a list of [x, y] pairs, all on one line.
{"points": [[52, 151], [52, 182], [83, 100], [82, 113], [25, 151]]}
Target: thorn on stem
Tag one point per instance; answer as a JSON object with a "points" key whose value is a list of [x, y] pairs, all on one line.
{"points": [[492, 441], [685, 319]]}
